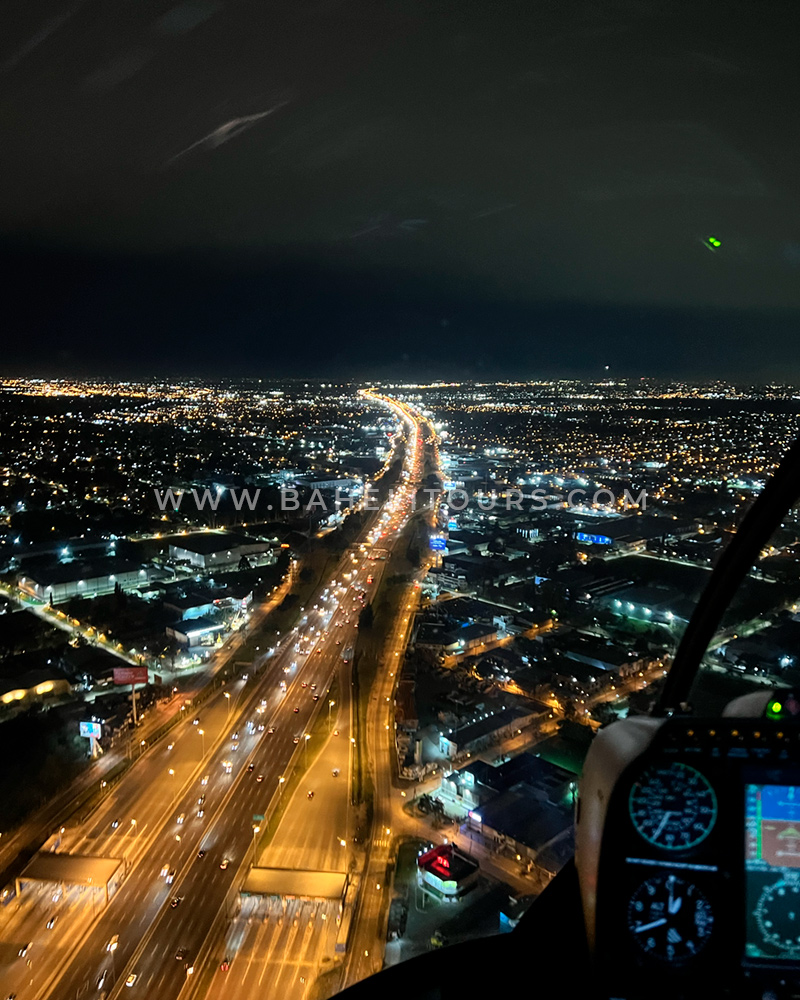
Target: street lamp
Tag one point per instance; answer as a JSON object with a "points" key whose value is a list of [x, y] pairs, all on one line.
{"points": [[228, 699], [172, 772], [280, 786], [135, 827], [202, 734], [330, 706], [256, 830], [306, 738]]}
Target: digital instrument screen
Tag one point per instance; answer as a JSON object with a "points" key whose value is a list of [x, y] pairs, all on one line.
{"points": [[772, 872]]}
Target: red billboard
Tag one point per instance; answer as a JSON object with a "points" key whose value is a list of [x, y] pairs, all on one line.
{"points": [[130, 675]]}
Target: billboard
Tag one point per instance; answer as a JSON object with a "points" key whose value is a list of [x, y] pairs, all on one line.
{"points": [[91, 729], [130, 675], [583, 536], [438, 544]]}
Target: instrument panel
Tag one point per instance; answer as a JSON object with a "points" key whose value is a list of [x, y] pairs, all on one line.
{"points": [[698, 879]]}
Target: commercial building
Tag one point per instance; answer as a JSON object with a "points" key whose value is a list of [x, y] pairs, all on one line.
{"points": [[473, 637], [346, 487], [773, 650], [651, 604], [213, 549], [59, 582], [25, 689], [524, 825], [436, 637], [447, 871], [604, 656], [471, 787], [189, 605], [493, 727], [632, 534], [195, 631]]}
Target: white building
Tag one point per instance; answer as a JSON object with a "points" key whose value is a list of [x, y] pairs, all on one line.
{"points": [[212, 549], [62, 581]]}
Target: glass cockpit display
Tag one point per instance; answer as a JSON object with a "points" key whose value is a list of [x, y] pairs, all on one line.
{"points": [[772, 872]]}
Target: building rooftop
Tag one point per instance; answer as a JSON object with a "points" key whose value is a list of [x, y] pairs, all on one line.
{"points": [[472, 609], [517, 813], [74, 869], [526, 768], [207, 543], [191, 626], [448, 863], [497, 720], [475, 631], [79, 569], [604, 652], [289, 882], [435, 633]]}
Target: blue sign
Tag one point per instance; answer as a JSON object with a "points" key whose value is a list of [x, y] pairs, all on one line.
{"points": [[582, 536], [91, 729], [438, 544], [452, 525]]}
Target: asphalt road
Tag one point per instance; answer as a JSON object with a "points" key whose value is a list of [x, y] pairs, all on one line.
{"points": [[281, 946], [266, 952], [68, 960], [43, 822]]}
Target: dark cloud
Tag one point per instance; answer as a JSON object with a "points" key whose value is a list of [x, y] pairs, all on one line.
{"points": [[357, 166]]}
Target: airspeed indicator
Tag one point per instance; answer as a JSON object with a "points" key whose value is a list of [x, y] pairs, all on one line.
{"points": [[673, 806]]}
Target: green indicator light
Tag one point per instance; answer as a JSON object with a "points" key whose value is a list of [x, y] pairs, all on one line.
{"points": [[714, 242], [775, 708]]}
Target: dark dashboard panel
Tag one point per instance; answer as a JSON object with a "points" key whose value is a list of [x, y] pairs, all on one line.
{"points": [[699, 875]]}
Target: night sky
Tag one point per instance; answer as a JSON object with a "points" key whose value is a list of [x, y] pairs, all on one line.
{"points": [[400, 188]]}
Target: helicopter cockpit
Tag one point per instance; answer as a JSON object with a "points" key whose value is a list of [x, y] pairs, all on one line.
{"points": [[686, 876]]}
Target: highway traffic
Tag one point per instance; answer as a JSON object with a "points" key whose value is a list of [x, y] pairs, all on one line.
{"points": [[185, 820]]}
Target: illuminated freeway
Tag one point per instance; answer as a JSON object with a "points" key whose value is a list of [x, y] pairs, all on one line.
{"points": [[281, 947], [158, 942], [45, 820]]}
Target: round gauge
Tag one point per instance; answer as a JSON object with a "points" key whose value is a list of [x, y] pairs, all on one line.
{"points": [[670, 919], [673, 806], [777, 914]]}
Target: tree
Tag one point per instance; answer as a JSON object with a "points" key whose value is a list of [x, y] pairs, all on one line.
{"points": [[244, 563], [413, 554], [172, 652], [570, 710], [604, 713]]}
